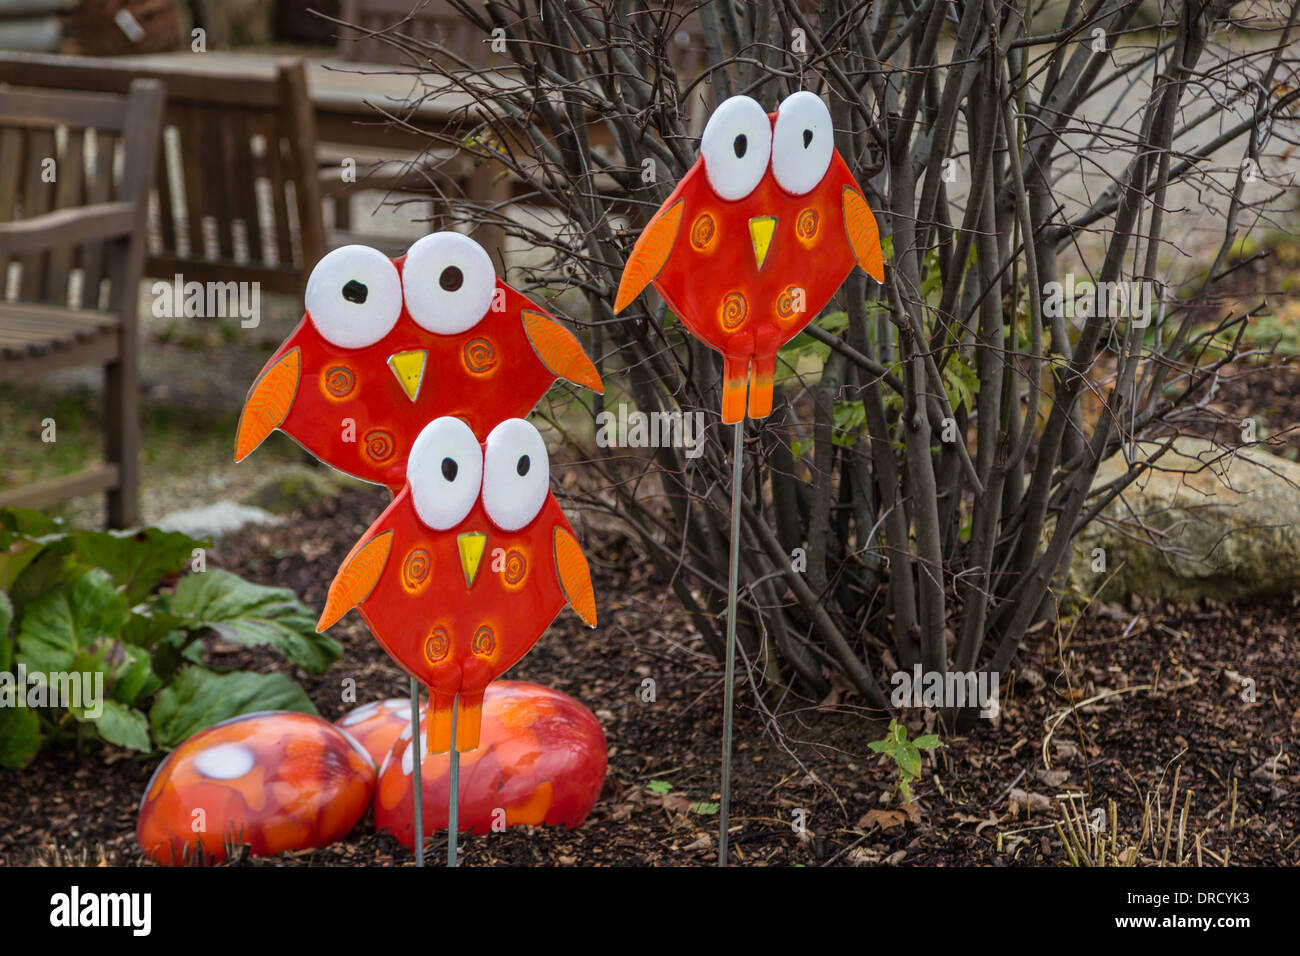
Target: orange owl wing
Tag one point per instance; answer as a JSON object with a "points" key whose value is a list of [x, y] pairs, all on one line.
{"points": [[651, 252], [863, 234], [560, 351], [268, 402], [575, 577], [356, 578]]}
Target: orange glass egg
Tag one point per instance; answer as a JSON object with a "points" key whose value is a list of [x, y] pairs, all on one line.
{"points": [[275, 780], [540, 761], [376, 726]]}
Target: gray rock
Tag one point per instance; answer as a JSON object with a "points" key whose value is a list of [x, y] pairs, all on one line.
{"points": [[291, 488], [1227, 524], [215, 520]]}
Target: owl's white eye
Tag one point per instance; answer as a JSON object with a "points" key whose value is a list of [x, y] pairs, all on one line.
{"points": [[736, 145], [802, 142], [516, 474], [445, 471], [449, 282], [354, 296]]}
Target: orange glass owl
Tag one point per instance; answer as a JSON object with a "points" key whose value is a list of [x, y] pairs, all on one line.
{"points": [[387, 345], [466, 568], [755, 239]]}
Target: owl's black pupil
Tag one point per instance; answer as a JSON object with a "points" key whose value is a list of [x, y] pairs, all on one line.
{"points": [[449, 469], [807, 138], [355, 291], [522, 465], [451, 279], [740, 145]]}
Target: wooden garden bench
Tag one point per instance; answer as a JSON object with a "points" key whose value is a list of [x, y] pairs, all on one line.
{"points": [[75, 227], [237, 196]]}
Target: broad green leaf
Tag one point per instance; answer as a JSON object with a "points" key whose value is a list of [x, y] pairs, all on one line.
{"points": [[136, 560], [927, 742], [57, 625], [15, 557], [25, 523], [909, 760], [250, 614], [659, 786], [199, 698], [704, 809], [146, 625], [174, 650], [880, 746], [53, 568], [6, 642], [128, 671], [20, 734], [120, 724], [135, 680]]}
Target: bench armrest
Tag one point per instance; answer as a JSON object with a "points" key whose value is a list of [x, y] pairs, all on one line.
{"points": [[67, 227]]}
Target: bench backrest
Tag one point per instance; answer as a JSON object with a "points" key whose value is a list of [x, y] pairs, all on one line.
{"points": [[237, 195], [438, 21], [75, 152], [431, 21]]}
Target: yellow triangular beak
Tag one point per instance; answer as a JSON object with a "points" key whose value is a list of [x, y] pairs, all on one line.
{"points": [[471, 545], [409, 369], [761, 229]]}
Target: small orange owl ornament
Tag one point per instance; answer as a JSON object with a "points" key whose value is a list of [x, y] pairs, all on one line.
{"points": [[466, 568]]}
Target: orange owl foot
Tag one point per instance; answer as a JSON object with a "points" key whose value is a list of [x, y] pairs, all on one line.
{"points": [[735, 385], [749, 387], [762, 379], [469, 720], [441, 709], [468, 709]]}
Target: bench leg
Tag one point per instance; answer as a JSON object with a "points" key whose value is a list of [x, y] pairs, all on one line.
{"points": [[122, 436]]}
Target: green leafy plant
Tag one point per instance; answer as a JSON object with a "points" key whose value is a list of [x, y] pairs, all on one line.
{"points": [[906, 755], [117, 610], [662, 788]]}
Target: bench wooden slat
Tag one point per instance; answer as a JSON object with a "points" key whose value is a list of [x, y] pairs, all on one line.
{"points": [[38, 197], [196, 190], [114, 75], [218, 177], [54, 314], [276, 167], [53, 490], [99, 189], [244, 181], [41, 338], [163, 196], [12, 149], [29, 365], [47, 109]]}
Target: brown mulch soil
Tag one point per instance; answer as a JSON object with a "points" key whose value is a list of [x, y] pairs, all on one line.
{"points": [[1159, 694]]}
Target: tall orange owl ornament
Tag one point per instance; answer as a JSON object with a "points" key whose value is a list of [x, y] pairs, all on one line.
{"points": [[750, 246], [755, 239], [459, 577]]}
